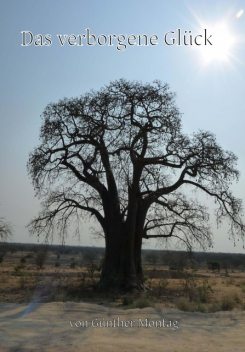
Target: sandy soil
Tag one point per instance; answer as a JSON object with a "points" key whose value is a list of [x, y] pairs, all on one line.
{"points": [[68, 327]]}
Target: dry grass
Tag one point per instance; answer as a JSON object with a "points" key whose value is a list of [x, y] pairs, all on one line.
{"points": [[63, 277]]}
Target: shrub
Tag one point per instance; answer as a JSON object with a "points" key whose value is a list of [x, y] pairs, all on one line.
{"points": [[184, 304], [22, 282], [40, 259], [91, 268], [83, 279], [141, 302], [204, 291], [190, 287], [227, 303], [73, 263], [18, 269], [242, 286], [161, 287], [201, 308], [127, 300], [230, 282]]}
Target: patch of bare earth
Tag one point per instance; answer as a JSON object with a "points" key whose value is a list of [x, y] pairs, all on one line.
{"points": [[62, 327]]}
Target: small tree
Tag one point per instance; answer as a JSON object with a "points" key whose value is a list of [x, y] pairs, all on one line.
{"points": [[120, 156], [5, 230]]}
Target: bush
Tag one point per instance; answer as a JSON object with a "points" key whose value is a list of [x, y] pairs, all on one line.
{"points": [[227, 303], [201, 308], [204, 292], [187, 306], [196, 292], [141, 302], [242, 286], [18, 269], [91, 268], [127, 300], [190, 287], [40, 259], [22, 282], [162, 285], [73, 264], [184, 304]]}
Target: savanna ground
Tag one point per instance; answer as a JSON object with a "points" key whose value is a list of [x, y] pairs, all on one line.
{"points": [[46, 275], [43, 293]]}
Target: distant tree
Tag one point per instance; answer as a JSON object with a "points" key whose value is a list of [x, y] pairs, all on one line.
{"points": [[5, 230], [120, 156]]}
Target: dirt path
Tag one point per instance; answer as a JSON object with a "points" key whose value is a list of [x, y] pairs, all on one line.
{"points": [[81, 327]]}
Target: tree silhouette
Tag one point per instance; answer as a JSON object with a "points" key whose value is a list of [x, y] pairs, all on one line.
{"points": [[120, 156], [5, 230]]}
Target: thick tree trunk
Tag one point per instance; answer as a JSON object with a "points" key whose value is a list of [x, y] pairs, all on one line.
{"points": [[122, 267]]}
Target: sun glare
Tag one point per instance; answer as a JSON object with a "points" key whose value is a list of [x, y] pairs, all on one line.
{"points": [[223, 41], [240, 13]]}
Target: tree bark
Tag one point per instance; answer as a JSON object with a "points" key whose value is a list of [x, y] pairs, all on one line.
{"points": [[122, 268]]}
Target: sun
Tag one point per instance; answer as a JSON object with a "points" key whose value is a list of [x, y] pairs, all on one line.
{"points": [[223, 42]]}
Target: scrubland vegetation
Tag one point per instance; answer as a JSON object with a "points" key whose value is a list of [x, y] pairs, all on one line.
{"points": [[205, 282]]}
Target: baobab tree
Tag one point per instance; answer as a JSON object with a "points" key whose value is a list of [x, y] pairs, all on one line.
{"points": [[120, 156]]}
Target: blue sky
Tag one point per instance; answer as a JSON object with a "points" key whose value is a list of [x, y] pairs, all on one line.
{"points": [[209, 96]]}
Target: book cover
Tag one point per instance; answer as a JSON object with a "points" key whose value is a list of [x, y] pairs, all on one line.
{"points": [[122, 175]]}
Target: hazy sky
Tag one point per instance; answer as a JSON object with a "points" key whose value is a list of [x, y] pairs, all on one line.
{"points": [[210, 90]]}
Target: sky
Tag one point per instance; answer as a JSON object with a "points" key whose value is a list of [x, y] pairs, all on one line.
{"points": [[209, 86]]}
